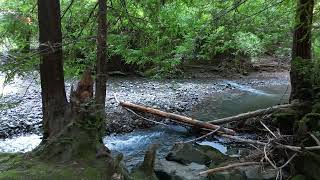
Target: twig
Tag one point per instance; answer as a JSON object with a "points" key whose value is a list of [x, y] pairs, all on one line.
{"points": [[289, 160], [298, 149], [267, 158], [67, 9], [265, 126], [250, 141], [230, 166], [315, 138], [281, 146], [115, 97], [201, 137]]}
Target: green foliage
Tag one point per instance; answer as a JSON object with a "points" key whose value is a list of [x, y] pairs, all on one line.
{"points": [[248, 44], [153, 34]]}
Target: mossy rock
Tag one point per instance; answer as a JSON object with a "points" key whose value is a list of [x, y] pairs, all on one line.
{"points": [[214, 155], [20, 166], [308, 164], [200, 154], [141, 175], [145, 170], [228, 175]]}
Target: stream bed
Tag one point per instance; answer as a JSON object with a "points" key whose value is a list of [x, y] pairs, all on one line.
{"points": [[203, 99]]}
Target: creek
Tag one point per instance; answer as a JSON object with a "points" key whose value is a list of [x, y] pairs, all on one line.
{"points": [[204, 99]]}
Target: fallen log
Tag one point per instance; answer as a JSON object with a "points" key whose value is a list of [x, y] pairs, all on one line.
{"points": [[251, 114], [176, 117]]}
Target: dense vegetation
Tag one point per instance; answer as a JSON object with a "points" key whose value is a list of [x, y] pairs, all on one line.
{"points": [[155, 35]]}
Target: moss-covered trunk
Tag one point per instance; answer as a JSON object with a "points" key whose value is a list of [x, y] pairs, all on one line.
{"points": [[73, 130], [301, 63], [307, 117]]}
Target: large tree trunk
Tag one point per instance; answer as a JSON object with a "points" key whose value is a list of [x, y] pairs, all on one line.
{"points": [[301, 52], [54, 99], [71, 130], [101, 73]]}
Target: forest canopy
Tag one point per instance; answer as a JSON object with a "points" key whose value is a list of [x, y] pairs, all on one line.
{"points": [[155, 35]]}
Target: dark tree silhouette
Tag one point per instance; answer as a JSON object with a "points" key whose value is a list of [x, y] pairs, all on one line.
{"points": [[301, 52]]}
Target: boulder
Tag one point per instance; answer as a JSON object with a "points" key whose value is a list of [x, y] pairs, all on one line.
{"points": [[200, 154], [257, 173], [228, 175], [170, 170]]}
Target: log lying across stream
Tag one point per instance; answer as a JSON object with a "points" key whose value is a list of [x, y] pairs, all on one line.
{"points": [[176, 117], [251, 114]]}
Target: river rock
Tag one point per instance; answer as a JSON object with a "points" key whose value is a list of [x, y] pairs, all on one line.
{"points": [[170, 170], [257, 173], [228, 175], [187, 153]]}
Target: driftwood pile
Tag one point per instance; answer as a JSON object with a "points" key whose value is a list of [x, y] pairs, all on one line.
{"points": [[265, 148]]}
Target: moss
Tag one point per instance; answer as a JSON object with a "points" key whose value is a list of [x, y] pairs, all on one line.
{"points": [[145, 171], [310, 122], [285, 120], [316, 108], [140, 175], [230, 175], [303, 67], [214, 155], [22, 167], [308, 164], [299, 177]]}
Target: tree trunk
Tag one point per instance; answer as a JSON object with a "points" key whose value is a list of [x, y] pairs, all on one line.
{"points": [[54, 99], [71, 130], [301, 52], [101, 73]]}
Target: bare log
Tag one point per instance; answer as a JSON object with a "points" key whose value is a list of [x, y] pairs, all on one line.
{"points": [[276, 145], [251, 114], [230, 166], [179, 118]]}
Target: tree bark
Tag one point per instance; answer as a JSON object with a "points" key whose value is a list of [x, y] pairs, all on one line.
{"points": [[100, 95], [54, 99], [301, 52]]}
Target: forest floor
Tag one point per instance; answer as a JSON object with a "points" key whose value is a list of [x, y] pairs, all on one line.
{"points": [[21, 111]]}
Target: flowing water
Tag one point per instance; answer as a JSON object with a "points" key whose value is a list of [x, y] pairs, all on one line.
{"points": [[211, 102]]}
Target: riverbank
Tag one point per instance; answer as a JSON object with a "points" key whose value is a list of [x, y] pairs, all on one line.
{"points": [[21, 111], [204, 99]]}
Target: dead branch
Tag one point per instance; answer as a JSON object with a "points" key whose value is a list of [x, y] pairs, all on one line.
{"points": [[315, 138], [176, 117], [201, 137], [250, 141], [251, 114], [230, 166], [265, 126], [277, 145]]}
